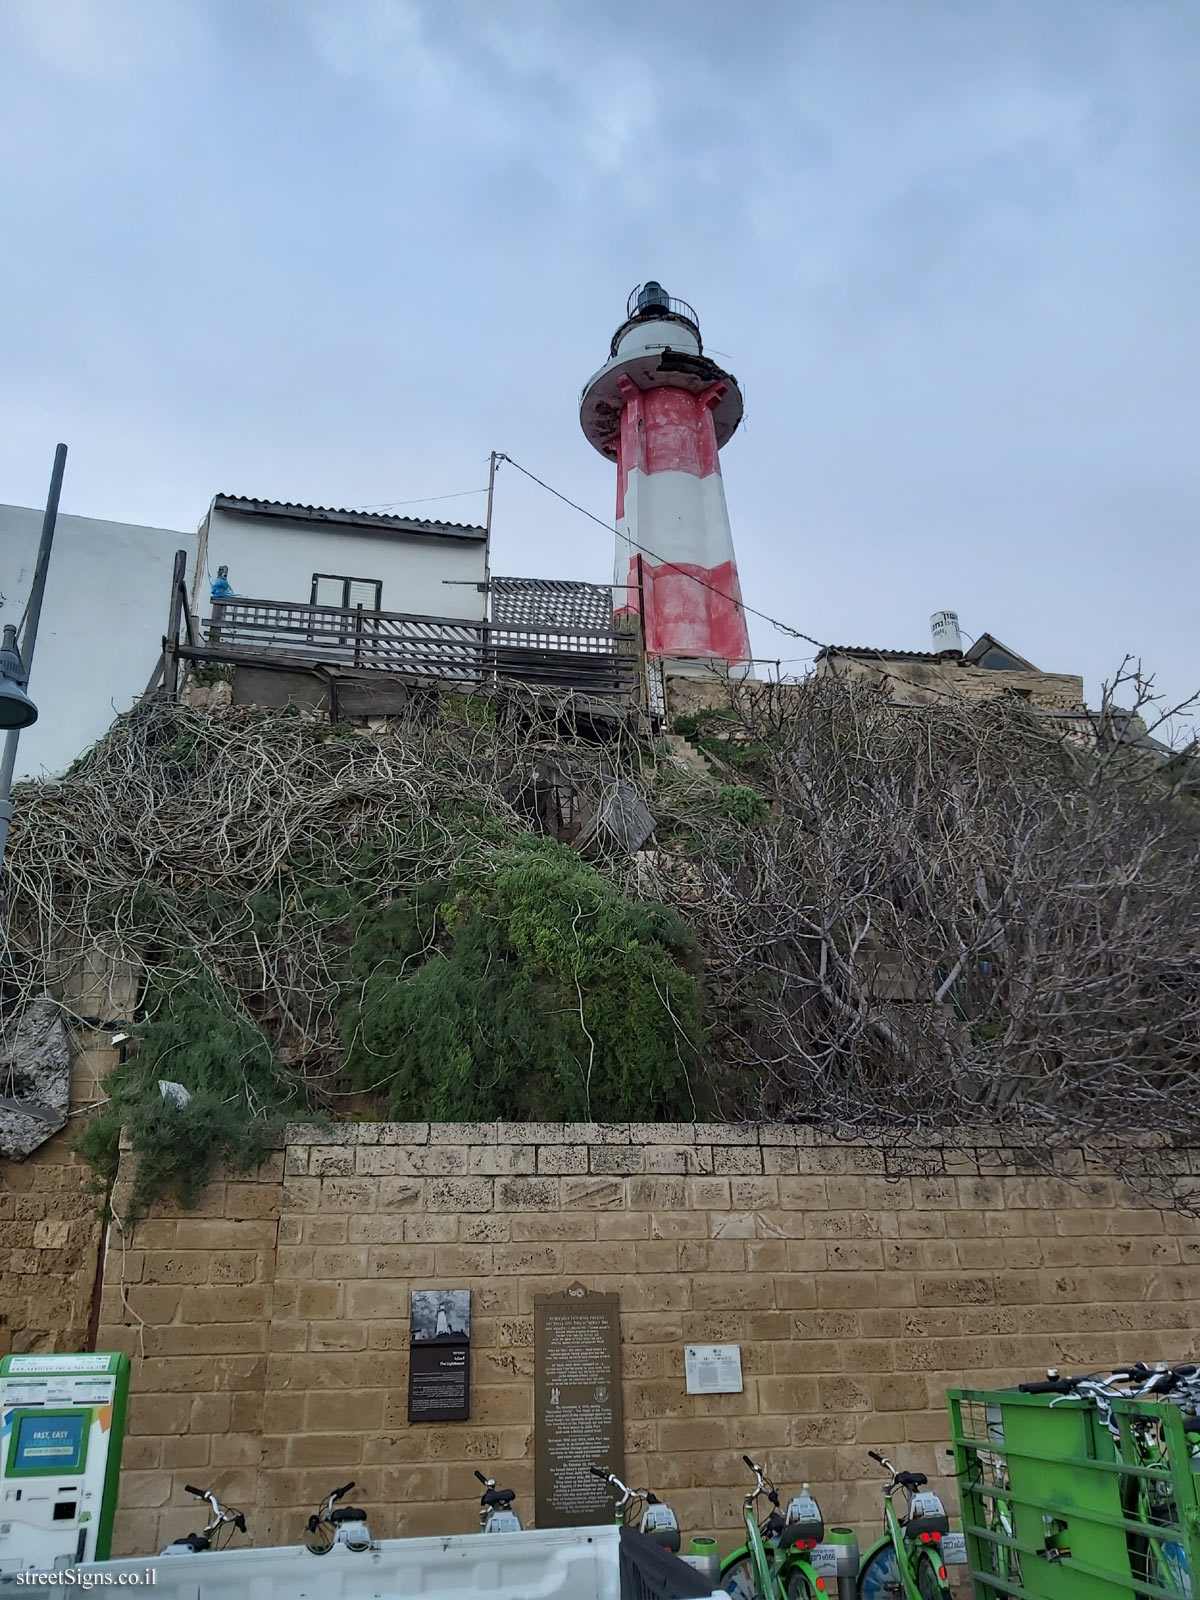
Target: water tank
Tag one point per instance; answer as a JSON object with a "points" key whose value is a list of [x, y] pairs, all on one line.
{"points": [[943, 625]]}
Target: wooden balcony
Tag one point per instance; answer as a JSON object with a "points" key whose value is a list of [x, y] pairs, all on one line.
{"points": [[441, 650]]}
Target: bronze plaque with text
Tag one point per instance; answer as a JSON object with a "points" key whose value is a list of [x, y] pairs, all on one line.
{"points": [[577, 1406]]}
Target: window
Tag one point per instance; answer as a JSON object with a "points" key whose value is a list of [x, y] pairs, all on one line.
{"points": [[998, 659], [329, 589]]}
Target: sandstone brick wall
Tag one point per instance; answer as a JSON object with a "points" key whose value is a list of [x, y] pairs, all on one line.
{"points": [[189, 1298], [269, 1330], [49, 1236], [50, 1226]]}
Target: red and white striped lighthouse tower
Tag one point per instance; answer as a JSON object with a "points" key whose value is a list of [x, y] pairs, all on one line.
{"points": [[662, 410]]}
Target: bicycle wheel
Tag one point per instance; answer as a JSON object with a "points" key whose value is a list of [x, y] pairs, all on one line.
{"points": [[1165, 1564], [798, 1583], [929, 1585], [879, 1576], [737, 1580]]}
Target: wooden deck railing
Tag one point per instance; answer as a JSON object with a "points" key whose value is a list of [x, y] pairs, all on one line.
{"points": [[446, 649]]}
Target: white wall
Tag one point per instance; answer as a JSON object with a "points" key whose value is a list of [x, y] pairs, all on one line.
{"points": [[103, 618], [272, 558]]}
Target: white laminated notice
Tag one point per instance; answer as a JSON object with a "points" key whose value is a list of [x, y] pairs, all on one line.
{"points": [[713, 1368], [954, 1549], [824, 1558]]}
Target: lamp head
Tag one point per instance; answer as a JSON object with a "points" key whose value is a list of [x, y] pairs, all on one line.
{"points": [[17, 710]]}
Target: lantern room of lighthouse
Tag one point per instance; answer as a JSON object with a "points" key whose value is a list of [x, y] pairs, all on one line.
{"points": [[662, 410]]}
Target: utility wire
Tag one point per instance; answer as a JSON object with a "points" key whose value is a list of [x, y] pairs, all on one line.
{"points": [[782, 627], [384, 505]]}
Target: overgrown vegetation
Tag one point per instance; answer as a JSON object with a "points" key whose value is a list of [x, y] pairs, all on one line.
{"points": [[889, 919], [526, 986], [236, 1097], [320, 914]]}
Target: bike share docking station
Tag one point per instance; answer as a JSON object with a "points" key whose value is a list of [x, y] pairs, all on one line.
{"points": [[62, 1423]]}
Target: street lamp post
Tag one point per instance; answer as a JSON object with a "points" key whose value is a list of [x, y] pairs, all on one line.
{"points": [[17, 710]]}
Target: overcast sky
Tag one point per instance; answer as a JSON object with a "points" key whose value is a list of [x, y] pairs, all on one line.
{"points": [[335, 251]]}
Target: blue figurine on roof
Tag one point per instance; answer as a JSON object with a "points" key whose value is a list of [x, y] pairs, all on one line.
{"points": [[221, 589]]}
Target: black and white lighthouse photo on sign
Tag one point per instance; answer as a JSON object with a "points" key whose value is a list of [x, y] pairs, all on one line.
{"points": [[440, 1314]]}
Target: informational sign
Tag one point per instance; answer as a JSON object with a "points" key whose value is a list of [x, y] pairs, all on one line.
{"points": [[439, 1382], [439, 1356], [577, 1420], [713, 1368]]}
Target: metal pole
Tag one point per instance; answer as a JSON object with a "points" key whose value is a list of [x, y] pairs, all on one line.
{"points": [[487, 548], [486, 630], [33, 612]]}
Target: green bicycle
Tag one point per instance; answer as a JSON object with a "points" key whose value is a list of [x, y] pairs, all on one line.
{"points": [[907, 1563], [774, 1562]]}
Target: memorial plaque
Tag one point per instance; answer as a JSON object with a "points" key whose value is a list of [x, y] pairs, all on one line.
{"points": [[577, 1406], [439, 1355]]}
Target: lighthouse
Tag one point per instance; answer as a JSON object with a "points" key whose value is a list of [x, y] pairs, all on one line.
{"points": [[661, 410]]}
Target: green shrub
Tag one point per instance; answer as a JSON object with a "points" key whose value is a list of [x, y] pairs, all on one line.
{"points": [[525, 986], [239, 1098], [740, 803]]}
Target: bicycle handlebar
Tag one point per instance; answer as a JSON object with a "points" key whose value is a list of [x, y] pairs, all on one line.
{"points": [[220, 1513], [612, 1479], [489, 1483]]}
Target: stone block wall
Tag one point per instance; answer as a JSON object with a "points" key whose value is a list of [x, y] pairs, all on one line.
{"points": [[269, 1329], [50, 1230], [49, 1238]]}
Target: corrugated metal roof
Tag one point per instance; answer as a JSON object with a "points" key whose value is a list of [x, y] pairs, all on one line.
{"points": [[970, 658], [342, 517], [866, 652], [556, 604]]}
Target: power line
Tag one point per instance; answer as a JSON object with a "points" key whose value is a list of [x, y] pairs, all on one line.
{"points": [[782, 627], [384, 505], [774, 622]]}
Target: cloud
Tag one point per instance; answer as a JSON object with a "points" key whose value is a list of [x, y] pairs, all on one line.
{"points": [[338, 249], [100, 41]]}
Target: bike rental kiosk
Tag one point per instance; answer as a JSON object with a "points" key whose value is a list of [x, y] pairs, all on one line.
{"points": [[62, 1422]]}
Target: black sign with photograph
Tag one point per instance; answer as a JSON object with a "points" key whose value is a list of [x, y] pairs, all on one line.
{"points": [[439, 1356]]}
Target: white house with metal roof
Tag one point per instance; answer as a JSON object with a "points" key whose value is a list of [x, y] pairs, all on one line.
{"points": [[312, 555]]}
